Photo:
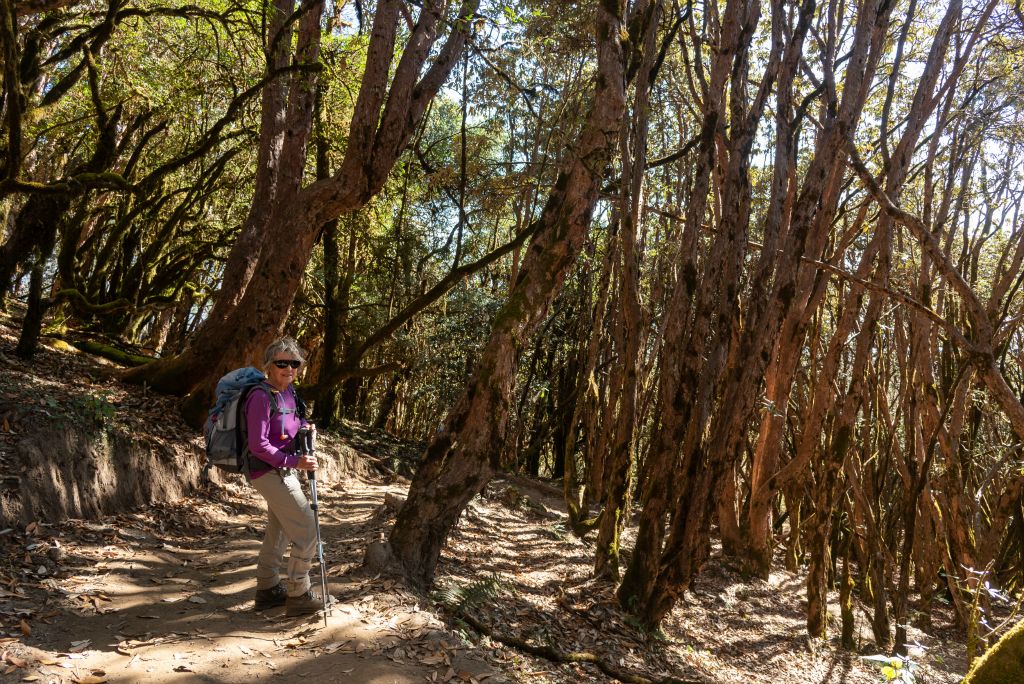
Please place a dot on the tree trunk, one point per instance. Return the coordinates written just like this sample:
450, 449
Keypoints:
387, 403
462, 455
633, 147
703, 399
728, 526
274, 124
679, 377
379, 132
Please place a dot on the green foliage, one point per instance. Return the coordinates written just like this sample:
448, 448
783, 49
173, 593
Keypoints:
900, 669
95, 407
487, 590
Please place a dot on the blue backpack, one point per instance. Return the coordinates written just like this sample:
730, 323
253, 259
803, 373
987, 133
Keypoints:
227, 444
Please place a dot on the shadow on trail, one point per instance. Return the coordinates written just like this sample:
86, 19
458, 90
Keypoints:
166, 600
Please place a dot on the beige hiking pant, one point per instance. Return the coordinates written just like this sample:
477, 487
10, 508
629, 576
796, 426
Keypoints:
289, 521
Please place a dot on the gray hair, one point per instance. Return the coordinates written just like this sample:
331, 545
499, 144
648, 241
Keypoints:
283, 345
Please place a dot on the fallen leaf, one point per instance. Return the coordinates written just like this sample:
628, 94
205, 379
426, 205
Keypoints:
26, 629
331, 648
14, 660
433, 659
79, 646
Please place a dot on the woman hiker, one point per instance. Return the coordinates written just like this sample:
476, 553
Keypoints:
272, 421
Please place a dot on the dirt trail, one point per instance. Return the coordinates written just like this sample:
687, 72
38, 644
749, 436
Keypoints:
165, 595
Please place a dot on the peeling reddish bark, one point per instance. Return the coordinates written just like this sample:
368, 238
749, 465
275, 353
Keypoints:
384, 120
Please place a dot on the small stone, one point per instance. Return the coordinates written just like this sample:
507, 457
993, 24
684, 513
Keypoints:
393, 502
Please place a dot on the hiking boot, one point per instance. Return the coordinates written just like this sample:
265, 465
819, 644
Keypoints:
271, 598
303, 604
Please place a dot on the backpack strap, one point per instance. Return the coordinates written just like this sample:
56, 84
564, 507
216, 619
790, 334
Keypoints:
275, 410
242, 429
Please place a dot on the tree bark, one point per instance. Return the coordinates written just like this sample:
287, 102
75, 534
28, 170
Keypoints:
245, 252
382, 125
697, 395
633, 150
463, 454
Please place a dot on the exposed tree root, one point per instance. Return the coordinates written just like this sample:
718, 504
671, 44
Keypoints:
111, 353
557, 656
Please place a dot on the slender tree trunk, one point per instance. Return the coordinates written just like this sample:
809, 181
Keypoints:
634, 161
728, 527
708, 399
462, 455
388, 402
678, 376
587, 409
846, 596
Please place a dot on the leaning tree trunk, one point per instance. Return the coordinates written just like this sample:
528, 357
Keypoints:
382, 125
462, 455
287, 121
576, 488
695, 352
678, 377
274, 122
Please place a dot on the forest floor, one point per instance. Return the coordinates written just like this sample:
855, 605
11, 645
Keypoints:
164, 593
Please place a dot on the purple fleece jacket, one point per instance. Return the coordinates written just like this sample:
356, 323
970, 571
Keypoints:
267, 434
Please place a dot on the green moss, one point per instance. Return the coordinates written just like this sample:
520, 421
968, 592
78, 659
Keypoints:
1003, 663
112, 353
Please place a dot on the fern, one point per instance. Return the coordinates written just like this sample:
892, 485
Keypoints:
458, 598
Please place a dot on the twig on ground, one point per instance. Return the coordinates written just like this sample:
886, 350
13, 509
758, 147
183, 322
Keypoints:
555, 655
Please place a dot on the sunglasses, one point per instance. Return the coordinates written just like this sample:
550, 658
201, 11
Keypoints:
285, 363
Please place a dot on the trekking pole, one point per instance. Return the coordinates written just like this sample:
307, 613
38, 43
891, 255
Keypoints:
306, 446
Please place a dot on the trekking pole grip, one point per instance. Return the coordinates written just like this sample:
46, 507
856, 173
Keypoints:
307, 447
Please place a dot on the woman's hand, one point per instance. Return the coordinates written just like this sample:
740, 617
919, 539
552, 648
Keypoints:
306, 462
